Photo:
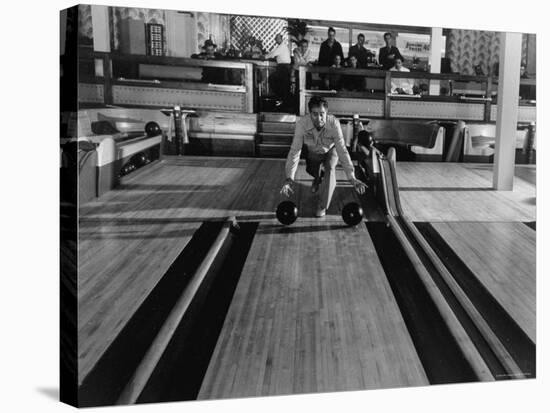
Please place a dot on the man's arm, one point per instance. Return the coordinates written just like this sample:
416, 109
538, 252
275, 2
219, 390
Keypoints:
272, 54
407, 85
398, 54
321, 58
394, 86
351, 51
341, 51
382, 55
395, 82
293, 157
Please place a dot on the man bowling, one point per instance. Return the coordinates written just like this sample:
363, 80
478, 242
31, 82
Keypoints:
320, 135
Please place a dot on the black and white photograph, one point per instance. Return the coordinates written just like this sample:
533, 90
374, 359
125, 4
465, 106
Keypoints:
270, 203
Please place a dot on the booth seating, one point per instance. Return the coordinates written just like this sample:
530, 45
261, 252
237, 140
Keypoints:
479, 142
454, 140
423, 139
431, 154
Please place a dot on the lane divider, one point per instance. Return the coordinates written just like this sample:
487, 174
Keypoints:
417, 247
139, 379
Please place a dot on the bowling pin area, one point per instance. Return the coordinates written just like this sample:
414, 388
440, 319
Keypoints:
190, 288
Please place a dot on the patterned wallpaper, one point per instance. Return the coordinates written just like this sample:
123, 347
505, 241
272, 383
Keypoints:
85, 29
468, 48
147, 15
116, 14
465, 48
212, 26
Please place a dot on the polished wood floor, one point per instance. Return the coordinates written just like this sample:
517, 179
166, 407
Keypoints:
503, 257
463, 192
483, 226
303, 319
130, 236
286, 328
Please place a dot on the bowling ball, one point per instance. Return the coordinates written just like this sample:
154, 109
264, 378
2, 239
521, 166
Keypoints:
287, 212
139, 159
152, 129
352, 213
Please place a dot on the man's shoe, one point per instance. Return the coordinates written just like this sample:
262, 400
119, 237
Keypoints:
321, 212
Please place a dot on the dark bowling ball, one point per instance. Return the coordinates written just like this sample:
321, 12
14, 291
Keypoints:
352, 213
287, 212
139, 159
143, 158
124, 170
152, 129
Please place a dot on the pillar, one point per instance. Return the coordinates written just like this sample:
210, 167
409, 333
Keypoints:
507, 111
436, 45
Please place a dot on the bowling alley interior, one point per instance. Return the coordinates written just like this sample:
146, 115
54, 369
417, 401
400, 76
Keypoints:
270, 205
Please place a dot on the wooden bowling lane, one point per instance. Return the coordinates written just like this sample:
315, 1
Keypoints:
131, 235
431, 191
503, 258
313, 311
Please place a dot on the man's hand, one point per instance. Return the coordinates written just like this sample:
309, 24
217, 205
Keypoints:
287, 190
359, 186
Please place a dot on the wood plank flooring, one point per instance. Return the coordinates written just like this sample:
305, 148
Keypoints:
503, 257
131, 235
463, 192
313, 311
285, 319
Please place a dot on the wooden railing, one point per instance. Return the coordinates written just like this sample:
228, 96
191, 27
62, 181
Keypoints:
477, 105
240, 95
104, 85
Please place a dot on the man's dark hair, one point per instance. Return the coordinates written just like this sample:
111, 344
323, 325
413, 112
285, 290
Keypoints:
387, 34
317, 101
331, 29
361, 35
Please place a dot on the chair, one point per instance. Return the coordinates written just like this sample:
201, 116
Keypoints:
479, 143
480, 140
435, 153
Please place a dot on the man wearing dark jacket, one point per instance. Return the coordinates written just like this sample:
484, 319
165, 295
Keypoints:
388, 53
329, 49
363, 56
